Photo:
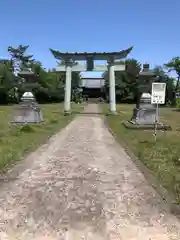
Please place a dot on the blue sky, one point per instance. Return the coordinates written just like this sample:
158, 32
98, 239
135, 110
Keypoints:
152, 27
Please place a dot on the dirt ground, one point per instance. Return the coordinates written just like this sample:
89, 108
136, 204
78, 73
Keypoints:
82, 185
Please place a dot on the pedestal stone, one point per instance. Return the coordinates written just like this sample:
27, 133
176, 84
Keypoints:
145, 117
146, 114
28, 110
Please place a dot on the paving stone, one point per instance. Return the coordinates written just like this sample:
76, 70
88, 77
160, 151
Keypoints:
82, 185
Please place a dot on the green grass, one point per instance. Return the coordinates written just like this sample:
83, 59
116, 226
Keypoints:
161, 157
16, 141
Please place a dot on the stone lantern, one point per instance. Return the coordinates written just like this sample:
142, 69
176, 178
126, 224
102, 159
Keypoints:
28, 75
28, 110
145, 114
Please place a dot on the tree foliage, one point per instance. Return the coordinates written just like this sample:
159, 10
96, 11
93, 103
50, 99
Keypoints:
163, 77
128, 84
125, 81
19, 58
47, 85
174, 66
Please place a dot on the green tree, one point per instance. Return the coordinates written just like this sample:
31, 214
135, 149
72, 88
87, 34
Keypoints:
19, 58
174, 65
75, 80
133, 68
126, 81
163, 77
7, 80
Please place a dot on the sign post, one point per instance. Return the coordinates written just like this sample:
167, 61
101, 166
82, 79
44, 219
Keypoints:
157, 97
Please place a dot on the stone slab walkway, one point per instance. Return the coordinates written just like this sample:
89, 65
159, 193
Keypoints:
82, 185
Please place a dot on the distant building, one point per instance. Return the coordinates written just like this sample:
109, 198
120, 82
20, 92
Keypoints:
92, 86
91, 82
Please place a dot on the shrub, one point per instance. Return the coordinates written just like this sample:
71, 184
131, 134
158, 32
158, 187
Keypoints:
178, 102
27, 128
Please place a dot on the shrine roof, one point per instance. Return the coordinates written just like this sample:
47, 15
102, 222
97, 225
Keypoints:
80, 56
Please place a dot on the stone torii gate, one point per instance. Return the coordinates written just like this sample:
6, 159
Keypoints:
69, 64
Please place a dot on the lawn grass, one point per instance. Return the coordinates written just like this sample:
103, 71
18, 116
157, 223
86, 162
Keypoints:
16, 141
161, 157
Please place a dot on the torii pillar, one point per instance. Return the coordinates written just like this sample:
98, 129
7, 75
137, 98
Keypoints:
67, 96
112, 88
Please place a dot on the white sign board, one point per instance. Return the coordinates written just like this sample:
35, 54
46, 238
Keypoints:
158, 93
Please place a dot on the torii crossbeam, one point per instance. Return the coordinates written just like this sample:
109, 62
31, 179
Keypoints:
69, 64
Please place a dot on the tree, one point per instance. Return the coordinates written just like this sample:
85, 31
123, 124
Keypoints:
7, 80
163, 77
133, 68
125, 81
18, 57
174, 65
75, 80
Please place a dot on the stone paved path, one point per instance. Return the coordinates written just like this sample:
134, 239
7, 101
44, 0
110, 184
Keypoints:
82, 185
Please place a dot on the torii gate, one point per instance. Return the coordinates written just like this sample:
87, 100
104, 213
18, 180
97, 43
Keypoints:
70, 64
